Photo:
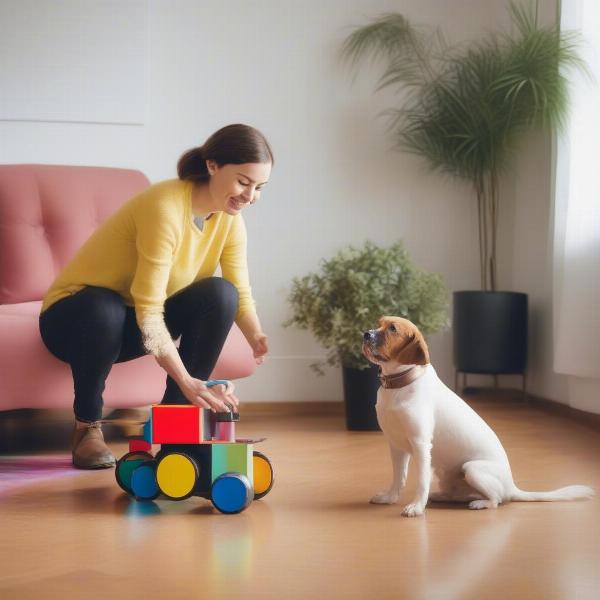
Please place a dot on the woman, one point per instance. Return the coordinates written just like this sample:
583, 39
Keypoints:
145, 277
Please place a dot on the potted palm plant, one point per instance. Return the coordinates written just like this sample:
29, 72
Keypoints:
464, 110
346, 296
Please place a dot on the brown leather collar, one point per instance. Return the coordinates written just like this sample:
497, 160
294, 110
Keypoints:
401, 379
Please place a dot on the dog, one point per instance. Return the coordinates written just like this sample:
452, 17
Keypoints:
423, 419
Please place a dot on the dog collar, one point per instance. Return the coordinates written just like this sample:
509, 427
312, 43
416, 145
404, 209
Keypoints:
401, 379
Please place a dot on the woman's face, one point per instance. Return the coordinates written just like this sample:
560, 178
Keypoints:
233, 187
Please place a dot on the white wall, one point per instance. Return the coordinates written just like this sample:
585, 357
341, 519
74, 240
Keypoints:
273, 64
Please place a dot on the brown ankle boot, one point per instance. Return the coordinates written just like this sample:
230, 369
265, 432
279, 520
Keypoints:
89, 450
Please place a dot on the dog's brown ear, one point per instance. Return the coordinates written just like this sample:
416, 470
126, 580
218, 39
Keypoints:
415, 352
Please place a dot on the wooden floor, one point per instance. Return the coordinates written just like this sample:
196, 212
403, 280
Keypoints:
315, 535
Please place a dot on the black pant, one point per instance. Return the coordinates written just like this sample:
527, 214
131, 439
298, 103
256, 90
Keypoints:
93, 329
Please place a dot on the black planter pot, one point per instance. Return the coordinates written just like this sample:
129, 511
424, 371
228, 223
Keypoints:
490, 332
360, 397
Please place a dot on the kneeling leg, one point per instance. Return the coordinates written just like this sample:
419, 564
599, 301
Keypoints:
482, 476
454, 488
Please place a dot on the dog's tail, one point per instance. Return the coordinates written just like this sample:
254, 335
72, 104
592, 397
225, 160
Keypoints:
571, 492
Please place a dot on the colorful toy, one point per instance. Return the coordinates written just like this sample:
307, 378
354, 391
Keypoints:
199, 456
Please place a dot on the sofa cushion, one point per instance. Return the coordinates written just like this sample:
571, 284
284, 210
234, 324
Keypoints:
46, 213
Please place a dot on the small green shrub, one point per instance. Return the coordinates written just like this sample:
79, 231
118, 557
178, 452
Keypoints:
352, 290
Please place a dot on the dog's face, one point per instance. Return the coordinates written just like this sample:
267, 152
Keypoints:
396, 340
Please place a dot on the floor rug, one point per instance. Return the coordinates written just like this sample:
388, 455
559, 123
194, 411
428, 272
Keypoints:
20, 470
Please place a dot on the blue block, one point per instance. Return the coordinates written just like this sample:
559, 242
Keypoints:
147, 433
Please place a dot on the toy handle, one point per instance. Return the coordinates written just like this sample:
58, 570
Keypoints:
212, 382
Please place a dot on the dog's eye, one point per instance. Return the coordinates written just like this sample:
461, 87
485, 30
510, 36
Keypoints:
392, 328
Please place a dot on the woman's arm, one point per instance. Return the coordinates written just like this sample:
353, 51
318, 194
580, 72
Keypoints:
193, 389
252, 330
234, 265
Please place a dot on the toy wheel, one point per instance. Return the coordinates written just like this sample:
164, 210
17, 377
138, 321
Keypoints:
126, 465
177, 475
263, 475
231, 493
143, 481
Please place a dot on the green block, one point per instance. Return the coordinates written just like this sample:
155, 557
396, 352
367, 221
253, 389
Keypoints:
232, 458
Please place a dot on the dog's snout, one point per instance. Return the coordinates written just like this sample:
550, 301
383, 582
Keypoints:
371, 336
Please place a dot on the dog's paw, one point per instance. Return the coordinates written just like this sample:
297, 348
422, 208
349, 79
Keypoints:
385, 498
416, 509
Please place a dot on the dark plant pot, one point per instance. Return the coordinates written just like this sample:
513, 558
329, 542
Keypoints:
360, 397
490, 332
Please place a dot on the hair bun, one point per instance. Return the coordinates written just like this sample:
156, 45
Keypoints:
231, 145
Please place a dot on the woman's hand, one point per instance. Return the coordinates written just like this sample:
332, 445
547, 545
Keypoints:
259, 347
226, 395
252, 330
197, 393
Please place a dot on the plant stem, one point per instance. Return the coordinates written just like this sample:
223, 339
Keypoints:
494, 226
486, 245
481, 224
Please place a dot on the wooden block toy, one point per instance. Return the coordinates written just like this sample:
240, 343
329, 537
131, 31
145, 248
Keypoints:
199, 456
177, 424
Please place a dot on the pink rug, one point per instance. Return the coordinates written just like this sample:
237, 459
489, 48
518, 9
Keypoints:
20, 470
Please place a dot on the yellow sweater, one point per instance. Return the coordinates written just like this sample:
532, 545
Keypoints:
150, 249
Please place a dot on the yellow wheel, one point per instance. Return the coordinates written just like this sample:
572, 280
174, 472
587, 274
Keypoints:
263, 475
177, 475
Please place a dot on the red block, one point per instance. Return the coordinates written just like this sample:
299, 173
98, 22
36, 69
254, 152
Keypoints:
176, 424
139, 445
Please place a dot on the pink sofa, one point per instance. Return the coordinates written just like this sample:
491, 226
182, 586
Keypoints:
46, 213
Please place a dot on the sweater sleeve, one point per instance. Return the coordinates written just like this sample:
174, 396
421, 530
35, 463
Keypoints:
157, 237
234, 265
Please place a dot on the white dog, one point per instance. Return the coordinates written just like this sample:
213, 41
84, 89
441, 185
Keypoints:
423, 419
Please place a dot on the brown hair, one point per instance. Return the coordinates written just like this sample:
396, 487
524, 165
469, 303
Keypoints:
231, 145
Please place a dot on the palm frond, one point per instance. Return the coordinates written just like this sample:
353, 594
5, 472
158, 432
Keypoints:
466, 107
411, 52
387, 36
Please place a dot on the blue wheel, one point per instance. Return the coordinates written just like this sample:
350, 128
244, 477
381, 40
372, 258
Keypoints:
143, 481
231, 493
125, 467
